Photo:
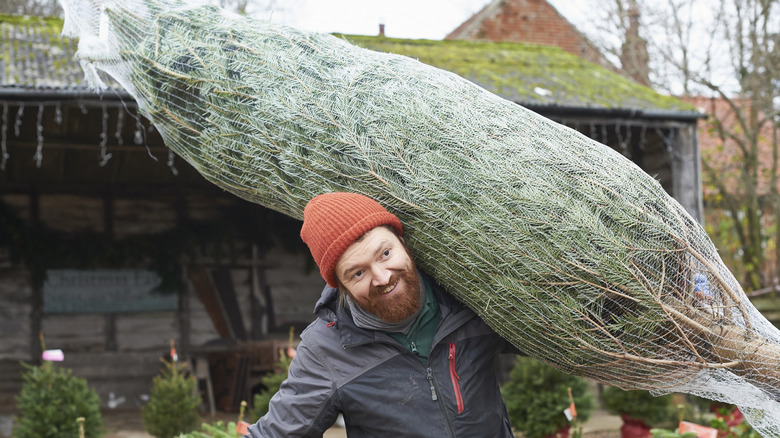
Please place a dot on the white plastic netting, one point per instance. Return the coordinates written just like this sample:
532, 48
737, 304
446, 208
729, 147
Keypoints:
562, 245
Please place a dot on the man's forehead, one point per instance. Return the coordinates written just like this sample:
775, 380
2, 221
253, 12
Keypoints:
372, 241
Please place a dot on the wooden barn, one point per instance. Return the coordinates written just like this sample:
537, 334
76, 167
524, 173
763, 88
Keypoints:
111, 247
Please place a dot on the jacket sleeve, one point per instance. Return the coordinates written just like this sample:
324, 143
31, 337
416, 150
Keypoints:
510, 348
305, 405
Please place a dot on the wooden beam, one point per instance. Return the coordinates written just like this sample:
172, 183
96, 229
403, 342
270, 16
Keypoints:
61, 145
201, 282
139, 190
185, 316
108, 230
223, 284
36, 304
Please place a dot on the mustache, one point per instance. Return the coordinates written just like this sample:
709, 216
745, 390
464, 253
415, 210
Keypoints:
376, 291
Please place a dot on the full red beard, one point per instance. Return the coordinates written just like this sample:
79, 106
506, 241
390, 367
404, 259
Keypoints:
399, 307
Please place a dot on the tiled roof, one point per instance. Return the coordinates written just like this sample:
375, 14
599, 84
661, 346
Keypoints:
35, 57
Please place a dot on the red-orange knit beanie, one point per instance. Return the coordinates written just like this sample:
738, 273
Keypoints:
332, 222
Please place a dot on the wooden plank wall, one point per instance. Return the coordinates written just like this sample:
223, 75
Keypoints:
124, 371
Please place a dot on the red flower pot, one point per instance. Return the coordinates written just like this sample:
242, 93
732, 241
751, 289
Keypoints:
633, 428
733, 418
563, 432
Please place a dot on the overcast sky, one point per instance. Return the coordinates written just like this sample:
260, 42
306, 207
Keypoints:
434, 19
428, 19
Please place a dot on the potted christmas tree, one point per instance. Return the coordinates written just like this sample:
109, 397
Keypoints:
639, 410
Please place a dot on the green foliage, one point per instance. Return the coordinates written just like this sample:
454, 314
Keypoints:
51, 402
271, 382
173, 403
638, 404
741, 430
216, 430
727, 413
537, 394
663, 433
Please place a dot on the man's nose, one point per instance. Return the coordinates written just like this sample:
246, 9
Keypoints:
380, 275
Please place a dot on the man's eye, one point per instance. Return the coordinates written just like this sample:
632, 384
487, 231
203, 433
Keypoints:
386, 252
358, 274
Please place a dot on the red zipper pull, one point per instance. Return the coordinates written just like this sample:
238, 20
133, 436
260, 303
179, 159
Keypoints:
455, 379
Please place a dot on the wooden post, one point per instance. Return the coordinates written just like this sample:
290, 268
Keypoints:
184, 314
108, 229
258, 306
36, 304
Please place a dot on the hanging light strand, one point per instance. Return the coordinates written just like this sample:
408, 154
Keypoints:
3, 137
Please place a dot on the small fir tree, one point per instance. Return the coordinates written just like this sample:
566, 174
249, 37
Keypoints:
537, 394
271, 383
173, 402
220, 429
51, 402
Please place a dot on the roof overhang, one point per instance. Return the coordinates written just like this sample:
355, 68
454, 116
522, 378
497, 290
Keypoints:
616, 113
51, 94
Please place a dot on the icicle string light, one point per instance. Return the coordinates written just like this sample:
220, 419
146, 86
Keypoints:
58, 114
104, 156
4, 137
120, 120
171, 165
38, 157
18, 121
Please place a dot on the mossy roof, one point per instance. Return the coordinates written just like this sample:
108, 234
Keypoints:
34, 55
531, 74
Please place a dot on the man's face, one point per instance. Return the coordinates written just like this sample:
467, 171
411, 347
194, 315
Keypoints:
379, 274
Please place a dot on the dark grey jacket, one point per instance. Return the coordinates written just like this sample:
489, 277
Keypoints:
382, 389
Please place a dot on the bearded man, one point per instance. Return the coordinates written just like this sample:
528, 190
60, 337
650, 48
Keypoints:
390, 349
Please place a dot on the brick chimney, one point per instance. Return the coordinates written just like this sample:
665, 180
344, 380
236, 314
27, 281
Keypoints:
633, 54
381, 29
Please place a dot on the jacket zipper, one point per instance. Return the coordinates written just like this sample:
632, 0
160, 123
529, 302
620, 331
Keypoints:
435, 398
455, 379
430, 381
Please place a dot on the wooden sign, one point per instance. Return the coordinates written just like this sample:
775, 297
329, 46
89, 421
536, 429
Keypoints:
104, 291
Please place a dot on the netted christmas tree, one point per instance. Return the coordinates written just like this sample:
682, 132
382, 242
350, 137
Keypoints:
562, 245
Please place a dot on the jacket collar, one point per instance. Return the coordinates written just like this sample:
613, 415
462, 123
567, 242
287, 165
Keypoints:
453, 315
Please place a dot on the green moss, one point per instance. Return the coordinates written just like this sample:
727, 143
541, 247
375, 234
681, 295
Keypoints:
27, 50
54, 23
517, 70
